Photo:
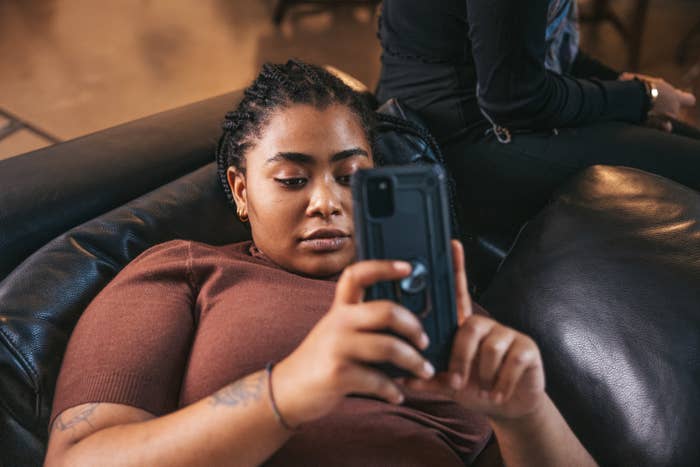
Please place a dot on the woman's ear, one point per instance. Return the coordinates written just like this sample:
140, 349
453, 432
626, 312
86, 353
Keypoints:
236, 181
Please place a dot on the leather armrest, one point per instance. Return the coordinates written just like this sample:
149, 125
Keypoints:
607, 281
48, 191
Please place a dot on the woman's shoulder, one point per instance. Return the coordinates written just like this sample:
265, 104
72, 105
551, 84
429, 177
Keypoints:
185, 252
239, 251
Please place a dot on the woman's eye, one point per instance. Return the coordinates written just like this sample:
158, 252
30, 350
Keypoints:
294, 182
344, 179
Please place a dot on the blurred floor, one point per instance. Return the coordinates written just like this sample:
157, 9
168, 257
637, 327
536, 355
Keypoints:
72, 67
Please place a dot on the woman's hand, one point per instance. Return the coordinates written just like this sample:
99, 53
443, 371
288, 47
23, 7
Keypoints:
670, 100
332, 360
494, 370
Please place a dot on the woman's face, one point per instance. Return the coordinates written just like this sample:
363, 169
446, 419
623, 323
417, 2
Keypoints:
296, 187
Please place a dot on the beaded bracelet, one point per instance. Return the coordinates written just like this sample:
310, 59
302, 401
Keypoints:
275, 409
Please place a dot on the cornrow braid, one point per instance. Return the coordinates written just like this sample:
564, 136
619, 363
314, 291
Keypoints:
279, 86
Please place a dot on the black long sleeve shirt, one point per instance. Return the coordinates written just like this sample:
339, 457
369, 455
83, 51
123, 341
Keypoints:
498, 47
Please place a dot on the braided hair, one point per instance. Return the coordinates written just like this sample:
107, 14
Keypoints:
279, 86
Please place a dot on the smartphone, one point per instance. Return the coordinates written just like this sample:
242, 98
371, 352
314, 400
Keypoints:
402, 213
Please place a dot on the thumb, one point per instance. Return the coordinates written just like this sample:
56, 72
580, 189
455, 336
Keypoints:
659, 122
464, 301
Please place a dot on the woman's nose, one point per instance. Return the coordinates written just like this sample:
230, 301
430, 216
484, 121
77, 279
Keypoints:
325, 200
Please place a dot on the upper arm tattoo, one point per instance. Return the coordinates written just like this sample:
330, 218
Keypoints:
82, 416
241, 392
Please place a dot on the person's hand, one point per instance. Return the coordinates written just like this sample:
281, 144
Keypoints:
669, 103
332, 360
493, 370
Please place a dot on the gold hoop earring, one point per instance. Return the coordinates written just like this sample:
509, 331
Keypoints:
241, 216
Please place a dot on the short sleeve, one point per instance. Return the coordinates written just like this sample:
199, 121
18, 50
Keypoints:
131, 344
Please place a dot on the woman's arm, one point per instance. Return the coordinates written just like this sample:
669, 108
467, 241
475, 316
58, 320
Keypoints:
131, 346
497, 371
539, 439
235, 426
515, 90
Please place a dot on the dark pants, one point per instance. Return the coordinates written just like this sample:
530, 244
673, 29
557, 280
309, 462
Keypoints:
502, 186
519, 177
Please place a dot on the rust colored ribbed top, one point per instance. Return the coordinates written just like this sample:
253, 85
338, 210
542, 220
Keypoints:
185, 319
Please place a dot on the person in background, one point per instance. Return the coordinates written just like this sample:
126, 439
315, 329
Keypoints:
516, 105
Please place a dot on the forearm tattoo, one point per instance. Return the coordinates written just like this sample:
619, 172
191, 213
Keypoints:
241, 392
82, 416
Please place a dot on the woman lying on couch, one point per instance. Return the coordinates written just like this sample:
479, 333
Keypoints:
170, 364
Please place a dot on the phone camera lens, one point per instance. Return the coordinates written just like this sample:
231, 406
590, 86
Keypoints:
380, 197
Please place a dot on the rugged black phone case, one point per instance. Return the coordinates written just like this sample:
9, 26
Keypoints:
418, 231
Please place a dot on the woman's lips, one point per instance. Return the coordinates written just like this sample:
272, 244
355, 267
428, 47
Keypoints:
325, 244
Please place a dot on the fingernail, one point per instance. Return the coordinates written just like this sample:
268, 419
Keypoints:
402, 266
428, 370
455, 381
399, 399
483, 394
497, 397
424, 341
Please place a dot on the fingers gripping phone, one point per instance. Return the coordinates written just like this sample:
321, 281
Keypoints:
402, 213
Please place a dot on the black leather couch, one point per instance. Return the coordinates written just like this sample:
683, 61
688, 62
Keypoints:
606, 278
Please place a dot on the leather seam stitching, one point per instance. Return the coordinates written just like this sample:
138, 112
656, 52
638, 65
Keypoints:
25, 368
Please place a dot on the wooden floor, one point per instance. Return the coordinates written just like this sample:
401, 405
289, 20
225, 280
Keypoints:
72, 67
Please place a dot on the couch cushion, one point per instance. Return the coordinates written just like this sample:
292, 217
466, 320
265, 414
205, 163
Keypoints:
607, 281
43, 298
46, 192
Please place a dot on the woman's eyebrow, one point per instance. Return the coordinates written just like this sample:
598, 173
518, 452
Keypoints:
349, 153
297, 157
301, 158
